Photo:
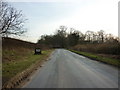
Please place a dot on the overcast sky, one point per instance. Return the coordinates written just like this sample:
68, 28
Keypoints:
45, 16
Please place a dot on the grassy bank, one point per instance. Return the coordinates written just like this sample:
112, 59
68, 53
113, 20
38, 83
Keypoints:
11, 68
114, 62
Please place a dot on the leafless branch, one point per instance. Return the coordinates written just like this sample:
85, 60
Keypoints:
11, 20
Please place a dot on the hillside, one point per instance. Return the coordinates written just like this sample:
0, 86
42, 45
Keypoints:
18, 55
15, 43
15, 48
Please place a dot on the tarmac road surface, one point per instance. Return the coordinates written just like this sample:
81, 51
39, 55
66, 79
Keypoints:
66, 69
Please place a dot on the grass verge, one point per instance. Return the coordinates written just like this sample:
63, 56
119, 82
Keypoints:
114, 62
10, 69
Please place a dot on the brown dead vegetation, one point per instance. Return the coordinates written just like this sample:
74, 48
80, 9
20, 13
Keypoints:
103, 48
14, 49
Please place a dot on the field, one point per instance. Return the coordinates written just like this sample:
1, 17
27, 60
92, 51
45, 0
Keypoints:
19, 55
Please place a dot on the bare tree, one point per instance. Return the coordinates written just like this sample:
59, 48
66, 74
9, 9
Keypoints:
11, 20
101, 34
89, 36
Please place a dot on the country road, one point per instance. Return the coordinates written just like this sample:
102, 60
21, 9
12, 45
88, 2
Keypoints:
69, 70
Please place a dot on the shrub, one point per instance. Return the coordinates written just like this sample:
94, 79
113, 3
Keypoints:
105, 48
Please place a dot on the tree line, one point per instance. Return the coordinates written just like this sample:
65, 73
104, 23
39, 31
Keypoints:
12, 23
63, 39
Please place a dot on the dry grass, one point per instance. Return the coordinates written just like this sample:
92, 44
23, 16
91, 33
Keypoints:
105, 48
14, 49
12, 68
19, 55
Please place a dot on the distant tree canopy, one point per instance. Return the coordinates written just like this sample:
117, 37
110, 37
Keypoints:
64, 39
73, 37
11, 20
56, 40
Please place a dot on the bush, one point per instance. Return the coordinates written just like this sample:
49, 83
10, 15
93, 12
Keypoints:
105, 48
